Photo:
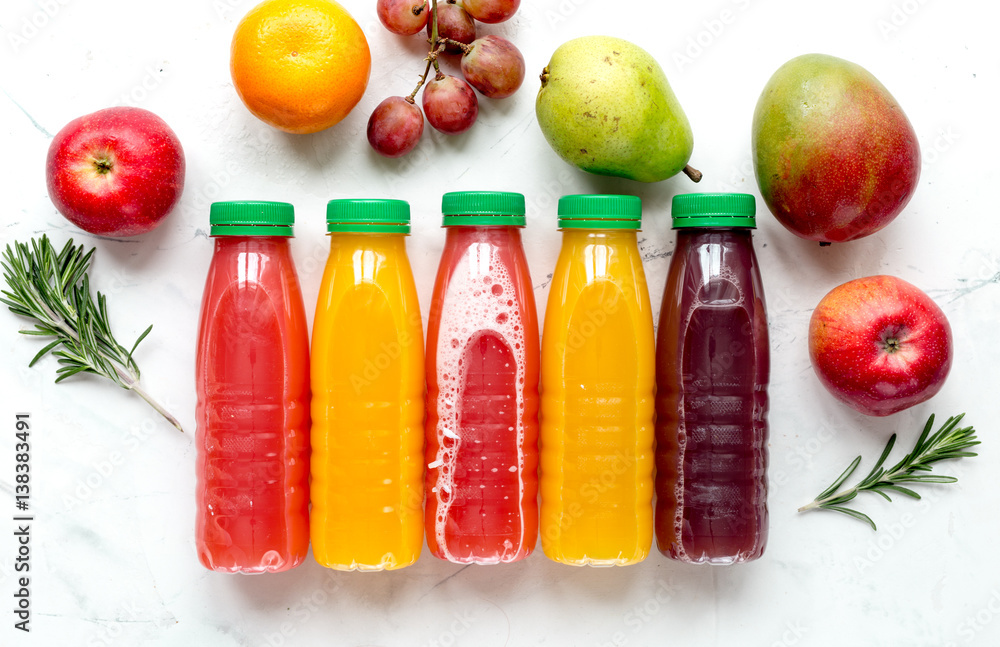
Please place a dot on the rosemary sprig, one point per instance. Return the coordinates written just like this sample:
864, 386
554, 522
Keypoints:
54, 290
947, 443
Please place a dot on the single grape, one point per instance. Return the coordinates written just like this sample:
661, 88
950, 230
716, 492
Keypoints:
454, 22
404, 17
395, 126
491, 10
494, 66
450, 104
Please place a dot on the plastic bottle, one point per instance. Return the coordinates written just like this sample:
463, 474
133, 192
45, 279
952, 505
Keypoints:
368, 393
482, 386
252, 380
596, 438
712, 370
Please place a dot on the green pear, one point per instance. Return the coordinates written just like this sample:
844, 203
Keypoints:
605, 106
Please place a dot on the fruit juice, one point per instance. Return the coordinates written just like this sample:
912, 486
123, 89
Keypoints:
482, 387
596, 438
252, 379
712, 375
368, 390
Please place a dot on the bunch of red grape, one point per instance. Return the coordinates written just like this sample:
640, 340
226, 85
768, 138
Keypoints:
490, 64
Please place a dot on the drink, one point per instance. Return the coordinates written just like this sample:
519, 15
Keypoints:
712, 370
252, 379
597, 389
482, 386
368, 390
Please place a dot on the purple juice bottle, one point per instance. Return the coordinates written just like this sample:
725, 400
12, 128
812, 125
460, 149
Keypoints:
712, 370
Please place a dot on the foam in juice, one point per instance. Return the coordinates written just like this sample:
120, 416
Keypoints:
482, 395
712, 374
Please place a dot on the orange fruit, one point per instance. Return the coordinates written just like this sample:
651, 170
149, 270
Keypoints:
299, 65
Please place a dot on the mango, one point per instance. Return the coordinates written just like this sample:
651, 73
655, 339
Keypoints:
834, 155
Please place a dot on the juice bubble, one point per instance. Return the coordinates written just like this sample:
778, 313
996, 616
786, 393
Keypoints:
471, 309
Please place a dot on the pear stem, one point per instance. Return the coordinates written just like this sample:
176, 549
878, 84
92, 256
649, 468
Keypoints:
692, 173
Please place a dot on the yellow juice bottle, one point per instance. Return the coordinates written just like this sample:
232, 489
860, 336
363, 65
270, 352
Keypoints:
367, 368
597, 382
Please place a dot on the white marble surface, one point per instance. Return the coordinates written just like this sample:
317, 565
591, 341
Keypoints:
112, 552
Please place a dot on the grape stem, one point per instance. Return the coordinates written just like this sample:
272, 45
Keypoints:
431, 58
459, 44
437, 47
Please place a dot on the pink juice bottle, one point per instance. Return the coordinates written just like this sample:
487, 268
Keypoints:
252, 380
482, 386
712, 370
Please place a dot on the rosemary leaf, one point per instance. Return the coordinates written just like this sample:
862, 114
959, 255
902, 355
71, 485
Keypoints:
947, 443
840, 479
861, 516
53, 289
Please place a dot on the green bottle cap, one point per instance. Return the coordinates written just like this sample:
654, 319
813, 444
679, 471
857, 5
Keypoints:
600, 212
714, 210
483, 208
368, 215
251, 218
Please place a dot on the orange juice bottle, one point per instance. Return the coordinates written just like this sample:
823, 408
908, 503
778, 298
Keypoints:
368, 390
596, 434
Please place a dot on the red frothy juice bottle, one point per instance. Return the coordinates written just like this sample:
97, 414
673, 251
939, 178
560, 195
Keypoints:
252, 379
712, 370
482, 386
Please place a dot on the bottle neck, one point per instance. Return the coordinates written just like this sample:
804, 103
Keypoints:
367, 239
262, 244
495, 234
601, 236
735, 232
695, 240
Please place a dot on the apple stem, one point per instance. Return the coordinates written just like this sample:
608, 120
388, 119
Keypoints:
692, 173
103, 165
890, 339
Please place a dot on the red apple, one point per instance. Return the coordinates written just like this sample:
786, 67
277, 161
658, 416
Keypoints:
115, 172
880, 344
